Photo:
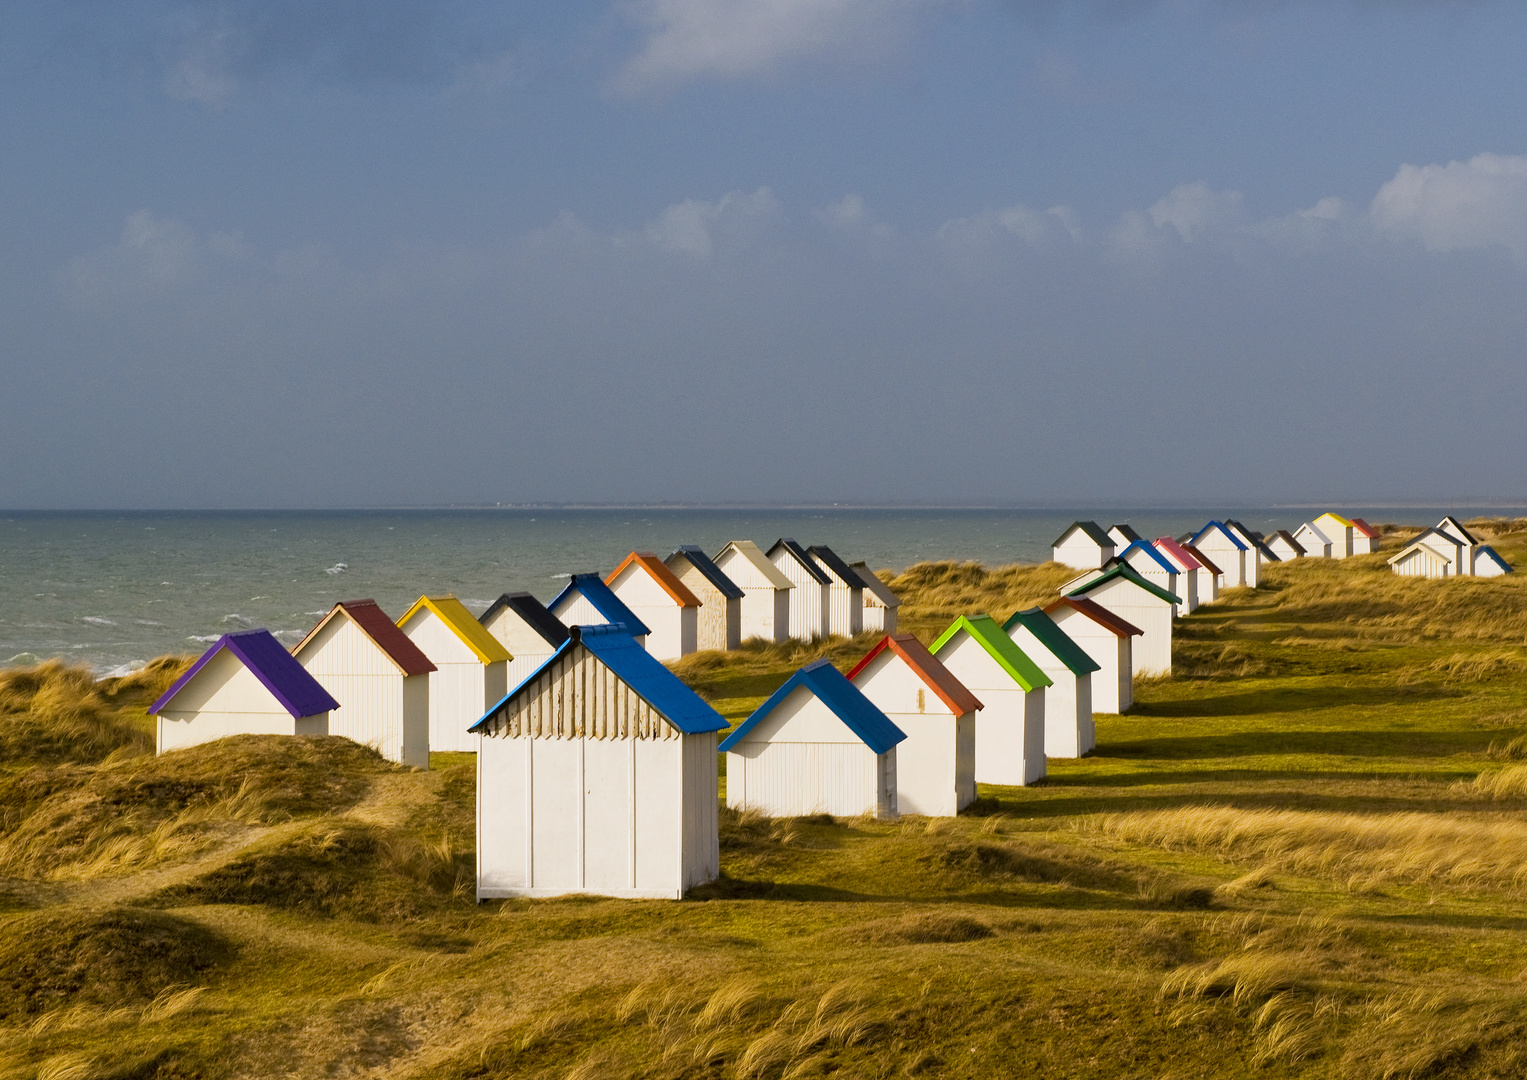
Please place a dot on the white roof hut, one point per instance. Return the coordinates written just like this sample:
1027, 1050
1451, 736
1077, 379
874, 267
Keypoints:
1154, 566
1467, 542
1145, 604
471, 668
1365, 538
765, 591
1084, 546
1010, 728
936, 766
881, 605
587, 601
720, 619
597, 775
1316, 544
816, 746
810, 598
1487, 563
524, 626
378, 676
845, 592
1069, 730
245, 684
1339, 529
1109, 640
661, 601
1285, 546
1227, 550
1432, 554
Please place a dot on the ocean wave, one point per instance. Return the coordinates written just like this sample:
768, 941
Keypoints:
23, 658
238, 620
147, 622
122, 670
205, 639
98, 620
337, 568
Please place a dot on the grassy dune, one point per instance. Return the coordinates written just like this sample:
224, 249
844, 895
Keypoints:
1304, 855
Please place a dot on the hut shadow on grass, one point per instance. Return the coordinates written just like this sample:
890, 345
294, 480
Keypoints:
1355, 743
1289, 700
726, 887
1280, 799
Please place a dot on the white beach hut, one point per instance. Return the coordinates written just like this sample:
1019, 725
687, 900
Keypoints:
245, 684
1432, 553
810, 598
1190, 572
881, 605
1227, 550
765, 591
661, 601
1085, 545
378, 676
1209, 575
1109, 640
1285, 546
597, 775
1339, 530
1122, 535
816, 746
471, 668
845, 592
1154, 566
1316, 544
587, 601
936, 765
1145, 604
720, 619
1365, 538
524, 626
1467, 542
1257, 553
1069, 729
1487, 563
1010, 728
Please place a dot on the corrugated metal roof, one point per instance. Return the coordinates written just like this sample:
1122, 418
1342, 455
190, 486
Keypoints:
1097, 613
532, 612
1184, 558
873, 583
938, 678
638, 669
1218, 526
658, 572
1095, 532
754, 554
1003, 649
383, 632
593, 589
798, 553
1130, 574
1052, 637
454, 614
1209, 564
828, 558
709, 570
1150, 552
288, 681
846, 701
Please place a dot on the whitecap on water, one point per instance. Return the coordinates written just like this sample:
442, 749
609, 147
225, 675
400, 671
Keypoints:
238, 620
23, 658
97, 620
122, 670
205, 639
337, 568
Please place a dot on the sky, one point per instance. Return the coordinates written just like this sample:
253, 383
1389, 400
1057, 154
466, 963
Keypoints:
339, 253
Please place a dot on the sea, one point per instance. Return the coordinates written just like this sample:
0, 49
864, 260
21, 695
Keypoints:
113, 589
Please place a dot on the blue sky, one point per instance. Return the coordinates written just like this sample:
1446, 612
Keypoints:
291, 253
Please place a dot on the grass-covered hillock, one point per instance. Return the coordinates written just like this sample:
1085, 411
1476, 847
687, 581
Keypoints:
1301, 856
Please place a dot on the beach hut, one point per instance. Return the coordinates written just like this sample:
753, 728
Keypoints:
1316, 544
1487, 563
1010, 728
471, 668
1339, 530
1257, 553
881, 605
1069, 730
1285, 546
1085, 546
245, 684
597, 774
1122, 536
936, 765
765, 591
817, 746
1432, 553
523, 625
661, 601
1145, 604
845, 592
1209, 575
1365, 538
1150, 563
1467, 542
587, 601
1109, 640
1190, 571
720, 619
378, 676
1226, 549
809, 599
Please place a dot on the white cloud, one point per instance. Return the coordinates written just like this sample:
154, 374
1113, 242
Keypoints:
695, 227
740, 39
1195, 210
1027, 224
1479, 203
200, 70
153, 255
